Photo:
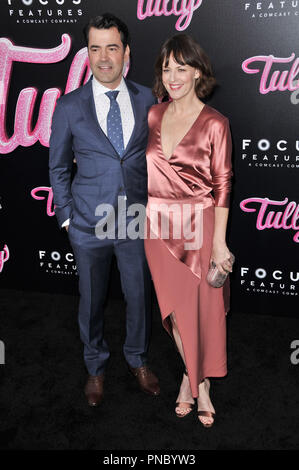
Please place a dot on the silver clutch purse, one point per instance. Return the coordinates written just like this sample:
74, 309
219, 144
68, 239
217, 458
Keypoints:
214, 277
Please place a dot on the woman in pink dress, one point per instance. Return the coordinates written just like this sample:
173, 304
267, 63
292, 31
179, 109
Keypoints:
189, 173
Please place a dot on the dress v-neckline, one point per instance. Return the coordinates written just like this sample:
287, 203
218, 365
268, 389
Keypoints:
184, 136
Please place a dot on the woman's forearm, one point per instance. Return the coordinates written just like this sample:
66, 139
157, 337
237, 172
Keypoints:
221, 216
220, 253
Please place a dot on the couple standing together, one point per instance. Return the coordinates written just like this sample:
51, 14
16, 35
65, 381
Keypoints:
128, 147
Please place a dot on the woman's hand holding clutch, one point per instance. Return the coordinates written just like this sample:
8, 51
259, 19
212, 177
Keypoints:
221, 257
221, 264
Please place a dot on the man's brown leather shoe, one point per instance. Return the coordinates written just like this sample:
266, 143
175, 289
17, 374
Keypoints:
94, 389
147, 380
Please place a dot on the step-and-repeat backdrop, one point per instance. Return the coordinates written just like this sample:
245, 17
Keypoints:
253, 46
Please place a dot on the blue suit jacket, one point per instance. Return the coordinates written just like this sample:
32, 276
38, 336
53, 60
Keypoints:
101, 175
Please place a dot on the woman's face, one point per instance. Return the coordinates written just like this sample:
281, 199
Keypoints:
179, 80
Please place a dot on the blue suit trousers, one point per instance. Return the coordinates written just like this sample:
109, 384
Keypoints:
93, 259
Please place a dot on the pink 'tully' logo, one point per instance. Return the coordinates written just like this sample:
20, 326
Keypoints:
4, 256
147, 8
274, 80
23, 133
285, 220
47, 189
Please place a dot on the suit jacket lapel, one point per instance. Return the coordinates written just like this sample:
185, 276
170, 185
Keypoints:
89, 112
138, 110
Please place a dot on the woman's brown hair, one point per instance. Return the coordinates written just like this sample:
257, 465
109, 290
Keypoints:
185, 51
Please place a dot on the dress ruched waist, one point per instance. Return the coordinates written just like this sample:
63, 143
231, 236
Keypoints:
205, 202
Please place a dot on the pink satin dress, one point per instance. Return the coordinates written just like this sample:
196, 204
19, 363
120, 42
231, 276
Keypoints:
196, 176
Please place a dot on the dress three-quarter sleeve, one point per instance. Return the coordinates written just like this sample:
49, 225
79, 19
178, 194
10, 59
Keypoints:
221, 166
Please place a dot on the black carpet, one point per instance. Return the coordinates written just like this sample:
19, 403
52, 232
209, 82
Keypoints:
42, 405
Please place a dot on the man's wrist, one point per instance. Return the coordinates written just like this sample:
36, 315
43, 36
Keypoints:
66, 223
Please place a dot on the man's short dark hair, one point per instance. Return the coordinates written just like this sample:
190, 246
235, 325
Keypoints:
107, 21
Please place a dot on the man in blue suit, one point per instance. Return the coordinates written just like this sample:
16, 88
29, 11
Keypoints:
103, 125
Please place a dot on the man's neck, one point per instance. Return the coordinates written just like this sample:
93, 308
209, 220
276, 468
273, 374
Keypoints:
105, 85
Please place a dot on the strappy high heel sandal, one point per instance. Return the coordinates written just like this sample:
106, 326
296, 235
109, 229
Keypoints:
205, 409
184, 396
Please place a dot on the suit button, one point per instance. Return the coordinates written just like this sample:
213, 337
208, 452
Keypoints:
121, 162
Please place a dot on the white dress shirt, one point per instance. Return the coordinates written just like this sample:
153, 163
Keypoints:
102, 104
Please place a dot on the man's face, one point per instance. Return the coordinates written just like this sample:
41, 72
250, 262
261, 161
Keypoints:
107, 55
